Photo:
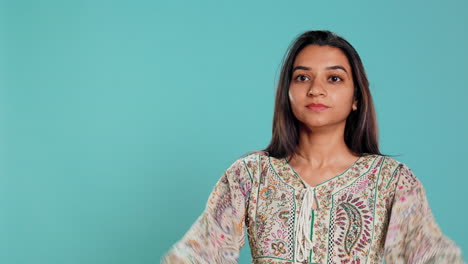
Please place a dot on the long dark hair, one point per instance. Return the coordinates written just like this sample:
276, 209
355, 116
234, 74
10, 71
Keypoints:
361, 131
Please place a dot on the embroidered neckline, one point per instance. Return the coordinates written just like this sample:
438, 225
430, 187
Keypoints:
356, 163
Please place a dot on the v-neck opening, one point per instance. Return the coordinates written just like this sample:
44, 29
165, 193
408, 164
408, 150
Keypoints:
334, 177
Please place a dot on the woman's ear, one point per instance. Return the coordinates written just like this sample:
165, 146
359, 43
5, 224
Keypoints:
355, 105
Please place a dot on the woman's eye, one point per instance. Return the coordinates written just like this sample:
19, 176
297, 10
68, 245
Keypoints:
298, 78
334, 77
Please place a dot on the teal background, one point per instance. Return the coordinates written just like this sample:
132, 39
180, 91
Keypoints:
118, 117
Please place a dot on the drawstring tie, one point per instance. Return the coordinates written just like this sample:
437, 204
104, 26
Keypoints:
302, 239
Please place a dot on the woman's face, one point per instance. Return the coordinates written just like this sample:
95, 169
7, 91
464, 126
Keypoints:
321, 75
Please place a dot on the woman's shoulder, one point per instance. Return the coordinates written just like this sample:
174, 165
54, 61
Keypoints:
254, 157
251, 162
390, 163
399, 172
391, 170
249, 159
399, 165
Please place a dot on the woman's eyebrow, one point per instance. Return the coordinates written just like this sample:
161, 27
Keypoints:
335, 67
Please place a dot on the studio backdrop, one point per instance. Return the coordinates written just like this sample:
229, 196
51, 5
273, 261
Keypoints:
118, 117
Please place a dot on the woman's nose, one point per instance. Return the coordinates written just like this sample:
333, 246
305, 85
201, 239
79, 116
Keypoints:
316, 88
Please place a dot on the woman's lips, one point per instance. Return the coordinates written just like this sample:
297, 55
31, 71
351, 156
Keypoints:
317, 108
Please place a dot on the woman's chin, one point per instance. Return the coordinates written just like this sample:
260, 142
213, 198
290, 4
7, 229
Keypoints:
323, 124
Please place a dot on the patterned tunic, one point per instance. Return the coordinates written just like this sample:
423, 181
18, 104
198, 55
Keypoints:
375, 210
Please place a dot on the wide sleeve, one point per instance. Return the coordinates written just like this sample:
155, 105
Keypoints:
218, 234
413, 235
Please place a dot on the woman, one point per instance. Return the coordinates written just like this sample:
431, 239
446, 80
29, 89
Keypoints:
321, 192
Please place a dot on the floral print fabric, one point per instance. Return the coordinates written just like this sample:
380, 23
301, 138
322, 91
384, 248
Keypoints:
375, 210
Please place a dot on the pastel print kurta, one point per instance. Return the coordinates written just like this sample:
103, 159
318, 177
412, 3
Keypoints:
375, 210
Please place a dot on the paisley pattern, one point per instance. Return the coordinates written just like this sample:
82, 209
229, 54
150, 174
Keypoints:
375, 210
354, 221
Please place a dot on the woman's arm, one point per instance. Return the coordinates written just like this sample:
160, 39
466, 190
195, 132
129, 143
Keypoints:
413, 235
218, 234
